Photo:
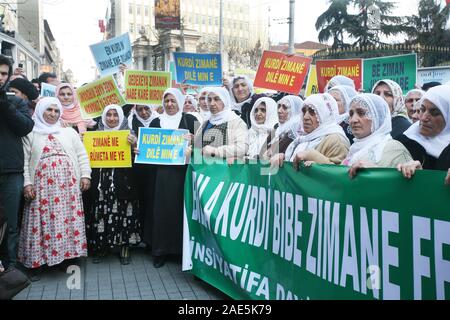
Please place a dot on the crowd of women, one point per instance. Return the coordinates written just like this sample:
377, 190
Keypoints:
71, 211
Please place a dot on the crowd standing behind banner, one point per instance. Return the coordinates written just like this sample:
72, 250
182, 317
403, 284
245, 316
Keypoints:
339, 127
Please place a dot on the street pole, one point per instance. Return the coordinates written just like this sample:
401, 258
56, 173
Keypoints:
221, 28
291, 26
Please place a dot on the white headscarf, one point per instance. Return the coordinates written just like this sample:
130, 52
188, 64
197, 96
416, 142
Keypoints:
195, 113
238, 105
339, 81
40, 125
440, 97
293, 123
399, 100
258, 133
227, 114
372, 146
147, 122
327, 126
204, 114
172, 122
119, 112
347, 94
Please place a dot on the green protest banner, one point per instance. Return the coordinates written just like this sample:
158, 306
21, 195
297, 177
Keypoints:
146, 87
97, 95
317, 234
401, 69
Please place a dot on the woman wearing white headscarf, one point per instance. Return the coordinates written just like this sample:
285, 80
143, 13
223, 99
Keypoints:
428, 140
163, 227
343, 96
203, 104
322, 140
264, 117
191, 107
391, 92
289, 124
373, 145
339, 81
224, 135
56, 171
114, 218
412, 97
142, 116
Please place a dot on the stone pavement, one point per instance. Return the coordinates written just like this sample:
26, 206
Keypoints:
112, 281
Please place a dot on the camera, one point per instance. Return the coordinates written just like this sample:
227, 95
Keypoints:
20, 65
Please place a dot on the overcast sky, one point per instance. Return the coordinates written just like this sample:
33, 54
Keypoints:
75, 26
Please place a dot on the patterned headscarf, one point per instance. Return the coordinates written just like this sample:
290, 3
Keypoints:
399, 100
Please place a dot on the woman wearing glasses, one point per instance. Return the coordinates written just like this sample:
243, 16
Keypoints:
321, 141
412, 97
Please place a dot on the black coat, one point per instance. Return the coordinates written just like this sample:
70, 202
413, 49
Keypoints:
15, 123
399, 126
124, 183
428, 162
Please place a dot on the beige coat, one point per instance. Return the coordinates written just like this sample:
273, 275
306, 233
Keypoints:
33, 146
332, 150
237, 140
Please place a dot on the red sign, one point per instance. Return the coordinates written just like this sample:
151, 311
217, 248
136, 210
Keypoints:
327, 69
280, 72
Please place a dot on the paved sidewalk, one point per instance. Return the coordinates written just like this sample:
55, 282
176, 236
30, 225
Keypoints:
112, 281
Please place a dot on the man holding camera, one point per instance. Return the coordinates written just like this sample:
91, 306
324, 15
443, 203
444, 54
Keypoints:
15, 123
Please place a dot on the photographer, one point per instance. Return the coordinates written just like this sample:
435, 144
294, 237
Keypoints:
15, 123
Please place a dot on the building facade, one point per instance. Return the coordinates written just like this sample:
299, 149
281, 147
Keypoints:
12, 42
245, 25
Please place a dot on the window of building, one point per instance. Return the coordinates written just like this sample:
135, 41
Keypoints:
138, 28
138, 8
131, 8
146, 10
132, 27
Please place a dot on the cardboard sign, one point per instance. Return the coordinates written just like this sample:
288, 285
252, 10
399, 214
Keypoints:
48, 90
280, 72
401, 69
198, 69
96, 96
312, 86
108, 55
435, 74
350, 68
146, 87
162, 146
108, 149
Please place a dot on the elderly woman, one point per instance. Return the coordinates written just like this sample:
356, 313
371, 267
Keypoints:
412, 97
428, 140
373, 146
243, 97
322, 141
391, 92
264, 118
289, 110
163, 228
224, 135
71, 116
203, 104
191, 107
114, 219
343, 95
339, 81
56, 171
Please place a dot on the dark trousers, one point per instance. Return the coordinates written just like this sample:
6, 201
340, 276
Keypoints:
11, 188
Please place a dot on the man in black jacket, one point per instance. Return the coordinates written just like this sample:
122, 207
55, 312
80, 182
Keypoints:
15, 123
